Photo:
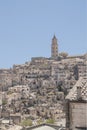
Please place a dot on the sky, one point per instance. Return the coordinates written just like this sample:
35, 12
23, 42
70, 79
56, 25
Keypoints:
28, 26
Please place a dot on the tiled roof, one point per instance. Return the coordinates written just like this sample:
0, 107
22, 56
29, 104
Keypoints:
82, 83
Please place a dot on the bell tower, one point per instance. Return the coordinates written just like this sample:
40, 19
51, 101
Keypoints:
54, 47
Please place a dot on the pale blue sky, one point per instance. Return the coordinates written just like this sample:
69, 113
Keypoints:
27, 28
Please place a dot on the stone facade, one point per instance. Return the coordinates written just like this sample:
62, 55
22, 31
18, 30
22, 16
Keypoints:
76, 117
76, 106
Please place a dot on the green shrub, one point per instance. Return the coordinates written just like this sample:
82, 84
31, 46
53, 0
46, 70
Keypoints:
39, 122
50, 121
9, 92
26, 122
4, 102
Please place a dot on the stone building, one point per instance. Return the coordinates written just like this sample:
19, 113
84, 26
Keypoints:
54, 48
76, 106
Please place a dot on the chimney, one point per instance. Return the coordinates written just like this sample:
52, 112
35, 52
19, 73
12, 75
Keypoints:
79, 96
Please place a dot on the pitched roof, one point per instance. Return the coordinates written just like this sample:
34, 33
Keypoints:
54, 37
82, 83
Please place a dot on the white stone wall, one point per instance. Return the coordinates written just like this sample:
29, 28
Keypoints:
78, 115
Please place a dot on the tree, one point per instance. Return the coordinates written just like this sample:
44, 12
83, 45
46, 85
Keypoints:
63, 54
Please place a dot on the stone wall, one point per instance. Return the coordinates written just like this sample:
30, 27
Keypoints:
77, 115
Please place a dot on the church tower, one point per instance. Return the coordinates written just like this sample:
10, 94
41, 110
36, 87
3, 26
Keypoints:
54, 48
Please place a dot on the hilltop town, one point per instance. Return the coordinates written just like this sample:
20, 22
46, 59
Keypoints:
34, 93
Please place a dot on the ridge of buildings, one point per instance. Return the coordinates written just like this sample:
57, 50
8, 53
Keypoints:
38, 89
